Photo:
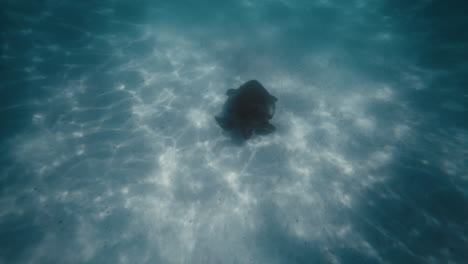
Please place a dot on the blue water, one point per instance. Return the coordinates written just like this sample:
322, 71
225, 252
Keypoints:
110, 152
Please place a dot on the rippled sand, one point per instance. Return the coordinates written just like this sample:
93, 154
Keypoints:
110, 152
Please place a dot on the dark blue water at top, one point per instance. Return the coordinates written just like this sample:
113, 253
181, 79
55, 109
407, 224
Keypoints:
110, 152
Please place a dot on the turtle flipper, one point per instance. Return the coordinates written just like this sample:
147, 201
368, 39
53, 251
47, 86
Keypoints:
221, 122
265, 129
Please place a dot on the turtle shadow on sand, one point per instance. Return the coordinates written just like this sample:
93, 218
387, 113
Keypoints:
247, 112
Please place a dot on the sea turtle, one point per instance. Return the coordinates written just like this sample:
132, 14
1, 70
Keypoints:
248, 110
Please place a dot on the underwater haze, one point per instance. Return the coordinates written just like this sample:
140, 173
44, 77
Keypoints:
110, 152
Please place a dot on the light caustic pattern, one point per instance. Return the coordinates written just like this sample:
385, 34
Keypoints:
120, 160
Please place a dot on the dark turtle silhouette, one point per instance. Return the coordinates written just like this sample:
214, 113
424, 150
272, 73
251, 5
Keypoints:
248, 110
